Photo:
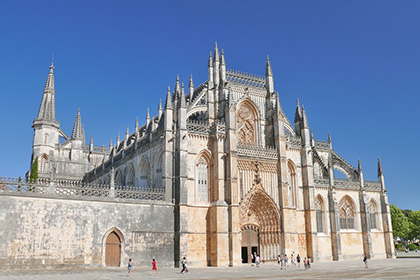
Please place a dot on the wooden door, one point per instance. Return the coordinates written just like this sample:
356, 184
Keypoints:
113, 250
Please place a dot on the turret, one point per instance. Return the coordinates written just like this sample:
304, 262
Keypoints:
211, 71
46, 127
168, 101
269, 76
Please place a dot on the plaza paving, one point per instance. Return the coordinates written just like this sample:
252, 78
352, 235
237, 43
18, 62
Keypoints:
407, 268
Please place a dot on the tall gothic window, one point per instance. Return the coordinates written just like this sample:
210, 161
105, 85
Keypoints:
372, 214
43, 164
291, 181
346, 214
144, 173
130, 175
246, 125
118, 178
319, 208
202, 179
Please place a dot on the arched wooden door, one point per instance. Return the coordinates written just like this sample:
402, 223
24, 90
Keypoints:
112, 250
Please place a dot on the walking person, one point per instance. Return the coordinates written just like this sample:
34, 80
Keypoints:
305, 263
298, 260
184, 264
292, 260
154, 267
278, 259
365, 260
257, 260
286, 261
309, 262
130, 266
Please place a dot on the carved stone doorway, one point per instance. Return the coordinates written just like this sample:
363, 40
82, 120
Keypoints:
113, 250
260, 211
250, 243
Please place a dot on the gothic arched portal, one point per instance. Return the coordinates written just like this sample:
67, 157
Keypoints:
259, 212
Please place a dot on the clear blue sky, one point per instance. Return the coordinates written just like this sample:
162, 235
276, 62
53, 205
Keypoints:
355, 65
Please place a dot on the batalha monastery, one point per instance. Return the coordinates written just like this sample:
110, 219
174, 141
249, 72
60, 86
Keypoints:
218, 174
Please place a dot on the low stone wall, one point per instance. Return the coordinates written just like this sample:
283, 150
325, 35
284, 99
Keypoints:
39, 231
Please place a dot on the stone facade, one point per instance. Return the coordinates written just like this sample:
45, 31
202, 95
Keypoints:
236, 177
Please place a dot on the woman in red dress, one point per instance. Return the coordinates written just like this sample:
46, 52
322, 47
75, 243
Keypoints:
154, 266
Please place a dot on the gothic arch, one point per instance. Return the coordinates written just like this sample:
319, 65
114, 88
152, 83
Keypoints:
119, 178
158, 171
131, 175
258, 210
320, 213
347, 213
373, 214
112, 231
44, 163
247, 118
203, 189
144, 168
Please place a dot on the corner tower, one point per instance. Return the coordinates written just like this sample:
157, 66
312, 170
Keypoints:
46, 128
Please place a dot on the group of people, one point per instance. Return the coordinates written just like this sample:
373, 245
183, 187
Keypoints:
130, 266
154, 266
283, 261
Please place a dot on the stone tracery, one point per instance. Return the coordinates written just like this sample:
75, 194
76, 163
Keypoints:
246, 125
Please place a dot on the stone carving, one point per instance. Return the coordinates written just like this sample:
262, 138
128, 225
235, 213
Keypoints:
246, 125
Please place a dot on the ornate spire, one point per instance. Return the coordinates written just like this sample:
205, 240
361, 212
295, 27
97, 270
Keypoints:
298, 112
91, 144
177, 88
210, 60
182, 97
268, 70
216, 52
380, 171
77, 128
304, 118
191, 87
160, 108
47, 108
222, 60
168, 102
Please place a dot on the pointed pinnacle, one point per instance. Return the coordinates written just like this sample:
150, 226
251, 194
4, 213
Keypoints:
160, 105
268, 70
359, 166
168, 102
177, 88
191, 81
210, 60
304, 118
329, 137
216, 52
312, 134
110, 143
147, 114
222, 62
127, 132
137, 124
91, 140
380, 171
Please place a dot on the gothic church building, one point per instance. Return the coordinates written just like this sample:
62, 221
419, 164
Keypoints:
235, 175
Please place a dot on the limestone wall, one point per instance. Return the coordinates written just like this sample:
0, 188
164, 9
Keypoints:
40, 231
